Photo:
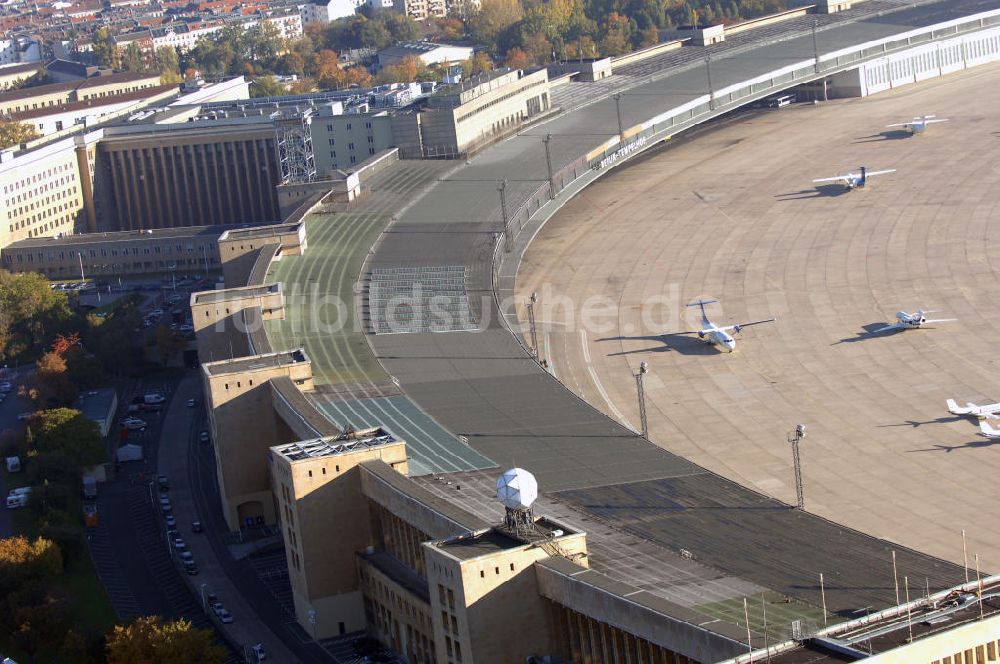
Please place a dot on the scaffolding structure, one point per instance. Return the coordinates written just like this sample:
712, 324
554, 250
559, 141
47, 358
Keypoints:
295, 149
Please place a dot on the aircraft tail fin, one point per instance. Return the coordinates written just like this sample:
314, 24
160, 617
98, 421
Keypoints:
704, 316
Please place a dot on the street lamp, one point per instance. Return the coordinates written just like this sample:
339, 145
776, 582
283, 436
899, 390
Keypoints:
531, 323
643, 370
548, 163
502, 188
204, 597
795, 438
621, 127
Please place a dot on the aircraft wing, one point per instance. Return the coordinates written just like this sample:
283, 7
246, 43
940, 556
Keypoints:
839, 178
741, 325
955, 409
937, 120
939, 320
888, 170
987, 430
903, 124
893, 326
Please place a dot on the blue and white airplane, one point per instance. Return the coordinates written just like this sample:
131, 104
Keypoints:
918, 125
719, 336
856, 180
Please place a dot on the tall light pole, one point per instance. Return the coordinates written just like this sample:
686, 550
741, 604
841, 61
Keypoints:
708, 73
531, 324
503, 213
548, 164
815, 45
621, 127
204, 598
643, 370
795, 438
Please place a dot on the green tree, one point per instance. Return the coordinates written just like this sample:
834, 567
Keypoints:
15, 133
168, 64
267, 86
67, 431
132, 58
22, 559
147, 640
493, 17
31, 314
104, 47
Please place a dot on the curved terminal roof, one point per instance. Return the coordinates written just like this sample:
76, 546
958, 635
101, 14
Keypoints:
730, 541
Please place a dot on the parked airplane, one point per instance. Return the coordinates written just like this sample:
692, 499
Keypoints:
989, 410
856, 180
905, 321
918, 125
719, 336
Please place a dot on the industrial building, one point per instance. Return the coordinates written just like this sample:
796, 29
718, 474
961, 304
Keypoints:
192, 174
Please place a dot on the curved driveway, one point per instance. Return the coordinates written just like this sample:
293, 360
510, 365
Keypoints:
732, 215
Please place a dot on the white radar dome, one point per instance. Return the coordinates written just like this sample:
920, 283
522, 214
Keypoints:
517, 489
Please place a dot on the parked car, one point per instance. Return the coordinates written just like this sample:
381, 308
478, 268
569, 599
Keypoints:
196, 526
190, 567
191, 403
134, 424
24, 416
180, 544
223, 614
186, 555
258, 652
6, 386
203, 437
166, 509
162, 482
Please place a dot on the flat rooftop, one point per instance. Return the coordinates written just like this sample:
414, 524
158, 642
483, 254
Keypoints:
327, 447
241, 293
254, 362
256, 232
202, 232
500, 538
96, 404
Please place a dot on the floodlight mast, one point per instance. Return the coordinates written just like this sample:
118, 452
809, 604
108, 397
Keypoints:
795, 438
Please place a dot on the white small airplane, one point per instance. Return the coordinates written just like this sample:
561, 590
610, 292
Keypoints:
987, 430
856, 180
719, 336
989, 410
905, 321
919, 124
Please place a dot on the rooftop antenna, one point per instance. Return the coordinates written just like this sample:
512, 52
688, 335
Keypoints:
517, 490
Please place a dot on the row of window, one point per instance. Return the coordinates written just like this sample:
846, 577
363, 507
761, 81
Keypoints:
39, 177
